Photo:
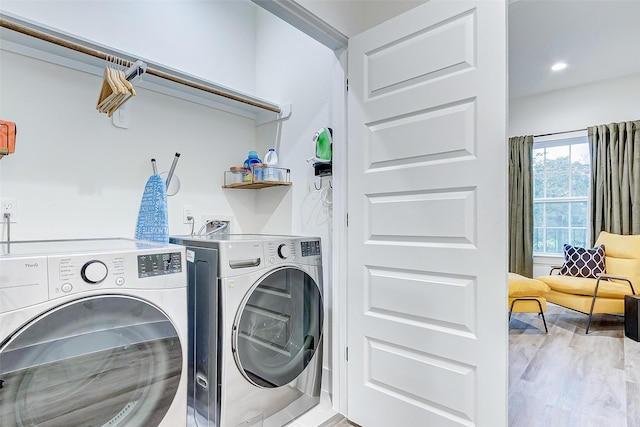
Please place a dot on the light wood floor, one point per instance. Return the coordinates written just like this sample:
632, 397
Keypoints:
568, 379
338, 421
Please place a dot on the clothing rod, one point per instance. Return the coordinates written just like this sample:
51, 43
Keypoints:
101, 55
558, 133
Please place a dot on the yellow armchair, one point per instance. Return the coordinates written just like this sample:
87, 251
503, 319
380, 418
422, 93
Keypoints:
604, 294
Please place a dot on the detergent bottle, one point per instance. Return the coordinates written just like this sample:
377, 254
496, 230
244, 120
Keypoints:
271, 160
252, 160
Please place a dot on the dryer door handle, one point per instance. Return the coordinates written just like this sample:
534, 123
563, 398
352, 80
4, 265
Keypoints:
244, 263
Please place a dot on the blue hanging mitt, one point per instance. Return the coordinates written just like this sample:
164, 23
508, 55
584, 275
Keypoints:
153, 218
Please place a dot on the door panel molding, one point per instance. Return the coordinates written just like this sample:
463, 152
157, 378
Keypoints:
426, 274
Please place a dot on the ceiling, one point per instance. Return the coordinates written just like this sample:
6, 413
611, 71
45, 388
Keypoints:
351, 17
597, 38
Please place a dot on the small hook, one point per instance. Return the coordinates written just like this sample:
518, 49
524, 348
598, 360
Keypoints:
314, 185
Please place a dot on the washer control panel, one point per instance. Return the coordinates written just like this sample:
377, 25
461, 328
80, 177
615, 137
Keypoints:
140, 270
94, 271
156, 264
39, 271
71, 273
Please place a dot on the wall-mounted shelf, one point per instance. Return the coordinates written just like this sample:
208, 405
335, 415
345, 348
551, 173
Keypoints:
266, 177
257, 185
37, 41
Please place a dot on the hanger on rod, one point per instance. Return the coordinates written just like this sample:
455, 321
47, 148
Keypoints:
116, 85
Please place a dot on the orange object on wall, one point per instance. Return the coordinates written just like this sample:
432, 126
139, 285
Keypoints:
7, 137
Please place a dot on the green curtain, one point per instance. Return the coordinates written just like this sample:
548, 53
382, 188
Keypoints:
615, 178
521, 205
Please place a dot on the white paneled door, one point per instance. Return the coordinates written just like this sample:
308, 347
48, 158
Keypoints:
427, 330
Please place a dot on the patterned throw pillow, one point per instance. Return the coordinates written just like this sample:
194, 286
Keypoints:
581, 262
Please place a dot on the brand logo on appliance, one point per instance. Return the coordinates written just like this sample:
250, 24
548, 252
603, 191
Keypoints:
34, 265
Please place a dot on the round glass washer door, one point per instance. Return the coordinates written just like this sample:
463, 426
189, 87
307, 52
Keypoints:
278, 328
98, 361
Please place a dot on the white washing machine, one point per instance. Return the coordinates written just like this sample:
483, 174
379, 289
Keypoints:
93, 333
255, 327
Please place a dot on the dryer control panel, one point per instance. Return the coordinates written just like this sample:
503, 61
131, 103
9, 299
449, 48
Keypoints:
280, 251
311, 248
241, 254
293, 250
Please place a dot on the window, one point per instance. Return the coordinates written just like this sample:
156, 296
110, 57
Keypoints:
561, 171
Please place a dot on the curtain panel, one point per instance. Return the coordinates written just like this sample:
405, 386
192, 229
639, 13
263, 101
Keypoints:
521, 205
615, 178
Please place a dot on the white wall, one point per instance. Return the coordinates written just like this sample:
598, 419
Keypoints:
218, 41
214, 40
297, 69
573, 109
76, 175
576, 108
304, 79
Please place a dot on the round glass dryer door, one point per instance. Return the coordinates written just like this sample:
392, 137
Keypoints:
98, 361
278, 328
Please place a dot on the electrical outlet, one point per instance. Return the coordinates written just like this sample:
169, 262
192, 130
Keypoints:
187, 212
9, 206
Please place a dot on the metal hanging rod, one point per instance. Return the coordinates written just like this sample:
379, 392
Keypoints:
558, 133
161, 74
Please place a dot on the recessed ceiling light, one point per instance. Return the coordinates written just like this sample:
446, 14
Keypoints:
559, 66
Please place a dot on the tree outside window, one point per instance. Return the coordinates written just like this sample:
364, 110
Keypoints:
561, 170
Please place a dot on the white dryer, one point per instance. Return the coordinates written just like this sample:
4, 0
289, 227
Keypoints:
256, 317
93, 332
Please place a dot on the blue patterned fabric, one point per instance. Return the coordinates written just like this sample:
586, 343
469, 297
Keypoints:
153, 218
581, 262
